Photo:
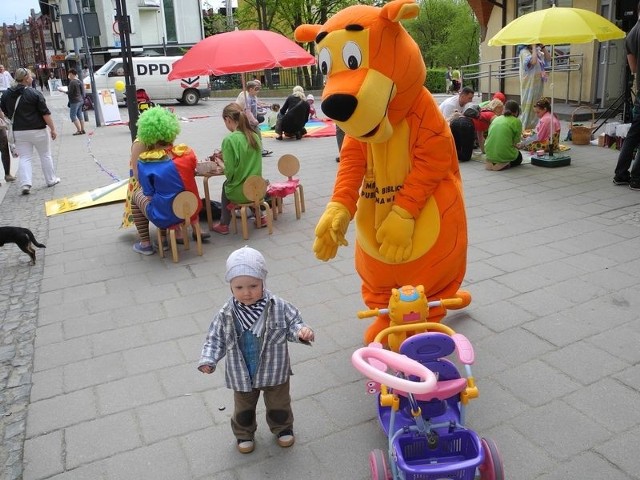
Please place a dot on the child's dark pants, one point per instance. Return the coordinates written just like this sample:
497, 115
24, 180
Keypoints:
279, 415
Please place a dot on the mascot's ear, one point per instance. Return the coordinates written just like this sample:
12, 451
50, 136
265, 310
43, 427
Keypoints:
400, 10
306, 33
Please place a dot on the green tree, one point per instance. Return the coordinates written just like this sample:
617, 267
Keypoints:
213, 22
447, 33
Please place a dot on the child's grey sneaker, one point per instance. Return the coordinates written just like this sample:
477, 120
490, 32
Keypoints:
246, 446
138, 248
286, 438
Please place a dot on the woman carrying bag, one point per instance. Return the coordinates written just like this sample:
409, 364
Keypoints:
28, 110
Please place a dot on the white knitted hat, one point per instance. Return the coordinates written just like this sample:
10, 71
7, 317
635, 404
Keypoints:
246, 261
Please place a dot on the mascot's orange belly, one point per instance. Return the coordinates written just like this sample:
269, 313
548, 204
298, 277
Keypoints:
441, 263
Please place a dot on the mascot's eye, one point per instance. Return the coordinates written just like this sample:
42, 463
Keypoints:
324, 61
352, 55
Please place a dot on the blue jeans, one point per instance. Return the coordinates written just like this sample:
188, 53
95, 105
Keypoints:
628, 147
75, 110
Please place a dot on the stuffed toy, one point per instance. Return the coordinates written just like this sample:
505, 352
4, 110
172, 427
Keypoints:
398, 175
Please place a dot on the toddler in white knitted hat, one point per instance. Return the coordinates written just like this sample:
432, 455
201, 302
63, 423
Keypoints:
252, 329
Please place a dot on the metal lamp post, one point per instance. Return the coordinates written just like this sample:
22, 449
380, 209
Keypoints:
130, 79
85, 43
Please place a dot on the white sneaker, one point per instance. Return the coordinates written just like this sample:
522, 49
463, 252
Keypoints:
55, 182
286, 439
246, 446
26, 190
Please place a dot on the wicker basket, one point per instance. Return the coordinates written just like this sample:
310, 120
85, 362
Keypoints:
581, 135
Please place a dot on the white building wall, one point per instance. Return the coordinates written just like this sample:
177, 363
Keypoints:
147, 22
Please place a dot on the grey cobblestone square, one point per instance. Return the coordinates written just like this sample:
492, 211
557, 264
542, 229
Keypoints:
98, 346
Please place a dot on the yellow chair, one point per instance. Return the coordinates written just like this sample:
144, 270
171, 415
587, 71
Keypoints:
184, 206
254, 188
288, 165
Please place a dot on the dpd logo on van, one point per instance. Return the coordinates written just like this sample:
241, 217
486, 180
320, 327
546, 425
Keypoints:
152, 69
190, 82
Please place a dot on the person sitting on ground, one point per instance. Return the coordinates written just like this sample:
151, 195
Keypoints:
164, 171
463, 131
291, 100
487, 114
539, 138
242, 159
502, 139
496, 96
456, 103
272, 115
293, 121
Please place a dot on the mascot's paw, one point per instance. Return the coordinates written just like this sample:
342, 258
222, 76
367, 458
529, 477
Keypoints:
394, 235
330, 231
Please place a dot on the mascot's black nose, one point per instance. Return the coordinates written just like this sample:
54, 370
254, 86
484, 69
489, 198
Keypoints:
339, 106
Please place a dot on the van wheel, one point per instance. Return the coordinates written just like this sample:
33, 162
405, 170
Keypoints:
191, 97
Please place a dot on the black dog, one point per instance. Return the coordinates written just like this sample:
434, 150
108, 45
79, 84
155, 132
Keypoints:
21, 237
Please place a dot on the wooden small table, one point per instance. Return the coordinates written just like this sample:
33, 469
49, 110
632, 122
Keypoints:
207, 196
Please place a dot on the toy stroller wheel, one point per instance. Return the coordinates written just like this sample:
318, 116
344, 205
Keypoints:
491, 468
378, 464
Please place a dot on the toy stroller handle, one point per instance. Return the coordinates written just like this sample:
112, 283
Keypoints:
415, 327
398, 362
446, 303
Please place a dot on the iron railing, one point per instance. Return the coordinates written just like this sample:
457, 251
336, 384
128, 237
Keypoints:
495, 70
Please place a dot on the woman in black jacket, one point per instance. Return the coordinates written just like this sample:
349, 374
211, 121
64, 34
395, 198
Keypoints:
28, 110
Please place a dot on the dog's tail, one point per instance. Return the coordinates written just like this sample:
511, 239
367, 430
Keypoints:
34, 241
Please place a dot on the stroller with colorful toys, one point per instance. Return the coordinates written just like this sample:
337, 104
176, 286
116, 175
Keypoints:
422, 405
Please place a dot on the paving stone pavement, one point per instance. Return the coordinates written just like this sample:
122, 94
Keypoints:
98, 344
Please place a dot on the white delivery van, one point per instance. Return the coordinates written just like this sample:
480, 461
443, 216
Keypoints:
151, 74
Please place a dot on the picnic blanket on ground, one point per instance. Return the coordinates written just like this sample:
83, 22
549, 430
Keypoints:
315, 129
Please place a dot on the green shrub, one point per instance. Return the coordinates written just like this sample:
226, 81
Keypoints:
436, 82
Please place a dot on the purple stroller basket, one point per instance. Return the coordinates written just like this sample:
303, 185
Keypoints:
455, 457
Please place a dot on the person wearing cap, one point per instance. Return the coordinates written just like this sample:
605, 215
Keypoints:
312, 110
252, 330
496, 96
28, 110
164, 171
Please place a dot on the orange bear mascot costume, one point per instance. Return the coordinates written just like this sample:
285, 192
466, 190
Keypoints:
398, 174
